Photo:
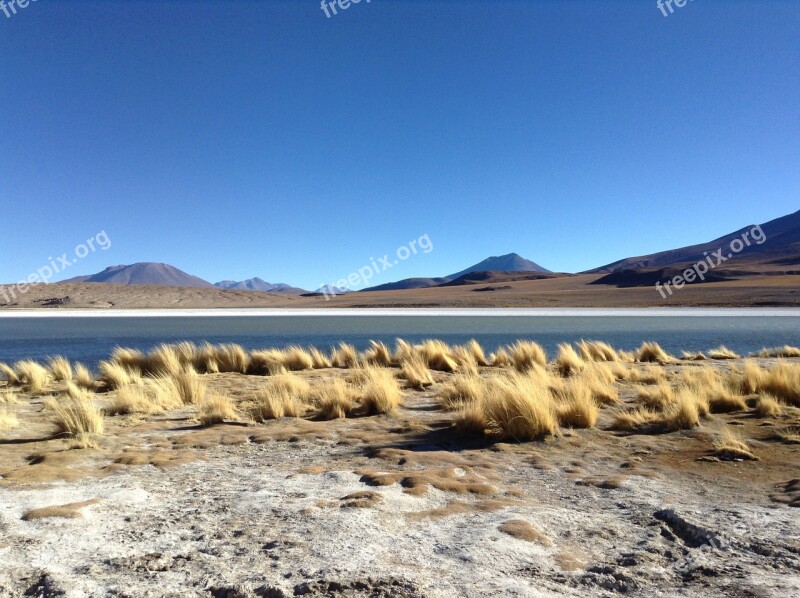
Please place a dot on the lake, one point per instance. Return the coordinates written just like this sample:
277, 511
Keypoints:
90, 336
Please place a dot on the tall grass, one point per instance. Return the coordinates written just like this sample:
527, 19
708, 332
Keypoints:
275, 402
378, 390
60, 368
115, 375
437, 354
83, 377
527, 354
9, 373
8, 419
782, 381
785, 351
216, 408
378, 354
568, 361
597, 351
462, 391
76, 417
652, 353
333, 400
722, 352
416, 373
32, 375
344, 356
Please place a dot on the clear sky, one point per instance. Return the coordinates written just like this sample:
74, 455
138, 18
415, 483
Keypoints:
240, 139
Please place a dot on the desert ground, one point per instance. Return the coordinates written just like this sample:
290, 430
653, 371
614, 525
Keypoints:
768, 290
422, 470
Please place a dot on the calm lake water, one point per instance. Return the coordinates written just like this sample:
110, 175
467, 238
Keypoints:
90, 339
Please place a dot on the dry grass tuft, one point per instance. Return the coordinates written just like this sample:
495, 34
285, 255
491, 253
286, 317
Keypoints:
782, 381
682, 413
729, 446
656, 398
378, 354
437, 354
478, 355
9, 373
231, 358
189, 387
130, 359
134, 399
597, 351
722, 352
8, 419
768, 406
319, 361
652, 353
163, 361
568, 362
516, 407
378, 390
275, 401
60, 368
416, 373
344, 356
789, 435
76, 417
204, 360
575, 405
215, 409
785, 351
501, 358
462, 390
115, 375
8, 398
649, 374
527, 354
687, 356
83, 377
334, 400
292, 385
31, 375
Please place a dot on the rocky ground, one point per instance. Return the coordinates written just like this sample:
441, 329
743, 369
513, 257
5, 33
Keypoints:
394, 505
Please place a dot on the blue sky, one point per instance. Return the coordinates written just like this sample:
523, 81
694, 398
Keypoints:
240, 139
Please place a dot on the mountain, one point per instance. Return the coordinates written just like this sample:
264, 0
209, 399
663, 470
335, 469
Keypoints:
504, 263
774, 243
145, 273
409, 283
492, 267
257, 284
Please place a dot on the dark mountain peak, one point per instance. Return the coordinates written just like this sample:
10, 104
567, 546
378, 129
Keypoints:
259, 284
510, 262
145, 273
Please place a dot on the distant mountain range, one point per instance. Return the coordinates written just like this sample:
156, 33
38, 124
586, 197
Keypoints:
257, 284
510, 262
146, 273
773, 247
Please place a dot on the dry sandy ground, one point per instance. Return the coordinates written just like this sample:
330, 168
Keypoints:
394, 505
568, 291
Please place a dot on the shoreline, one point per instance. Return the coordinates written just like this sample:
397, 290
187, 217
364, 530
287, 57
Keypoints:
410, 312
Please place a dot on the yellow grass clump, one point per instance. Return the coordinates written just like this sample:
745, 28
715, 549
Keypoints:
722, 352
215, 409
275, 401
597, 351
768, 406
656, 398
334, 400
649, 374
568, 361
231, 358
599, 379
204, 360
378, 390
9, 373
652, 353
319, 361
785, 351
477, 353
575, 405
437, 354
188, 386
682, 413
83, 378
518, 408
344, 356
501, 358
8, 419
134, 399
291, 384
130, 359
8, 398
164, 360
416, 373
60, 368
728, 445
527, 354
76, 417
688, 356
782, 381
378, 354
31, 375
115, 375
462, 390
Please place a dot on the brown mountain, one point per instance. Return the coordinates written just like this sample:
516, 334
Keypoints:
145, 273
